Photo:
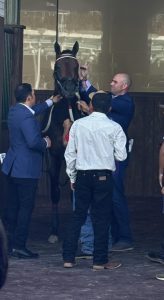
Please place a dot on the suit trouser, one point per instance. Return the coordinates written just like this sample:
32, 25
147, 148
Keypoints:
121, 230
21, 198
93, 190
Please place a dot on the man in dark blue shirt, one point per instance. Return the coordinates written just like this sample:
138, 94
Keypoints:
122, 112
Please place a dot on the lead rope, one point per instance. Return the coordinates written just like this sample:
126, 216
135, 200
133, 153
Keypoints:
70, 108
49, 120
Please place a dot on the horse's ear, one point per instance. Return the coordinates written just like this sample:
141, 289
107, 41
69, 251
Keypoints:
75, 48
57, 48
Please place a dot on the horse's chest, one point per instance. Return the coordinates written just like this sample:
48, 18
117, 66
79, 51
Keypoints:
66, 110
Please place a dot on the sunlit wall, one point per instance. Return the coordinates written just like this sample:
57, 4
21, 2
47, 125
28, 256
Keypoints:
114, 36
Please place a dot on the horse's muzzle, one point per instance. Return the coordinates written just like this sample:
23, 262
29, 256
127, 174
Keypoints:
68, 87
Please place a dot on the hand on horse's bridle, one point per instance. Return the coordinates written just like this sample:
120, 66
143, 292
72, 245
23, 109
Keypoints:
82, 105
56, 98
83, 72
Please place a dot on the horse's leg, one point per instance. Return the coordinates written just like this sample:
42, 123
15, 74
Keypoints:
55, 196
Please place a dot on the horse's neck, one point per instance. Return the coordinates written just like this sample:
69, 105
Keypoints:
56, 89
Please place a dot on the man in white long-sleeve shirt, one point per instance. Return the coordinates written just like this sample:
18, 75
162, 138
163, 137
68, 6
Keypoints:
95, 143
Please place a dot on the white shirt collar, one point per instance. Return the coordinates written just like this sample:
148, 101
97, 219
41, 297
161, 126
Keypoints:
32, 111
97, 114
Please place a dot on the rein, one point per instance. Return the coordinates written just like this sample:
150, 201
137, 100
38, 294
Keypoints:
62, 88
49, 120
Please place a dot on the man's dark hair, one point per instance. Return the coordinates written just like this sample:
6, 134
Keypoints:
22, 91
101, 102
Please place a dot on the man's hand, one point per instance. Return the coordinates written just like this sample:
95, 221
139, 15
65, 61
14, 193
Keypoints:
161, 180
83, 73
56, 98
72, 186
161, 164
162, 191
48, 141
82, 105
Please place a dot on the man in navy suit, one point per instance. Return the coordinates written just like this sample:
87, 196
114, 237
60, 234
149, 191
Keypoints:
22, 165
122, 112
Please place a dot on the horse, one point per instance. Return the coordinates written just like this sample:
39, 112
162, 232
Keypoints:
59, 120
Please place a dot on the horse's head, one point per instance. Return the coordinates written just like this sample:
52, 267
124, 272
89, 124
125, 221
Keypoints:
66, 71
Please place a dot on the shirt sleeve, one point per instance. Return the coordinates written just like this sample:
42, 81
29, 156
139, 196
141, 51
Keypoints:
49, 102
120, 152
71, 155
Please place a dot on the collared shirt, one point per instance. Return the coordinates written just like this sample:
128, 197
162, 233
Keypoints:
88, 85
94, 143
29, 108
49, 102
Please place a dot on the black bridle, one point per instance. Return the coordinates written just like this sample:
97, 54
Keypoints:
66, 71
68, 81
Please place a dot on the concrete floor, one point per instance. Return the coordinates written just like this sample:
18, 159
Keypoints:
46, 278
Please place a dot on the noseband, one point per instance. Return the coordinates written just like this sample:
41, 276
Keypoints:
64, 55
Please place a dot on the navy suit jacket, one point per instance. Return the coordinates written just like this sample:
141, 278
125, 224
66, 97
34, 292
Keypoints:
24, 157
122, 109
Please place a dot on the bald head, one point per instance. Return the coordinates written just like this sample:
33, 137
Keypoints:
120, 84
126, 79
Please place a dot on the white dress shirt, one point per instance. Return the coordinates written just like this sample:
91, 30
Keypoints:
28, 107
95, 142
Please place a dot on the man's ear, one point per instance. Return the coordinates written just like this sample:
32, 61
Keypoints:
125, 86
91, 109
91, 95
28, 99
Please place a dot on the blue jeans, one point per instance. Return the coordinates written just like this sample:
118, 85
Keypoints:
120, 218
87, 237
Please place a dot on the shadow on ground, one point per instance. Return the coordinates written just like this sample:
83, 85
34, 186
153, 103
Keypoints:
46, 278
